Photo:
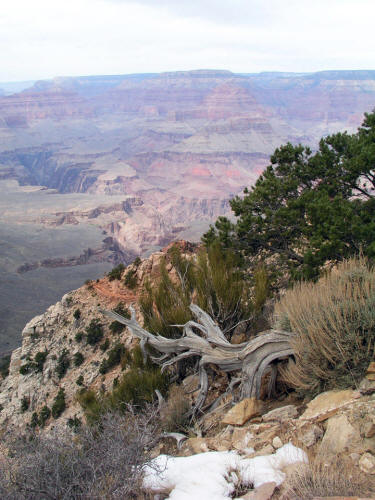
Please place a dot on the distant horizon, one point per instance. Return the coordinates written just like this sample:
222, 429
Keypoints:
213, 70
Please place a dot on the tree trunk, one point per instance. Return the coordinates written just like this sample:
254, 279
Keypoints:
203, 338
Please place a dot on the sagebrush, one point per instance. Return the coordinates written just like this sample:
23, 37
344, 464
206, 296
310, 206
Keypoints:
333, 322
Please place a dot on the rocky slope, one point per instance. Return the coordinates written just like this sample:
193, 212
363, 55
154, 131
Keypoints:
59, 329
335, 425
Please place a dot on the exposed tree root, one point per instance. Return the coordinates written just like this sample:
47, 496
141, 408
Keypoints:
204, 339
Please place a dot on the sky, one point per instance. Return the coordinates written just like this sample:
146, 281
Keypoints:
42, 39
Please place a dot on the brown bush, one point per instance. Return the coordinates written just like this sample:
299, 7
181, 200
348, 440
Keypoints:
334, 325
174, 415
320, 479
101, 462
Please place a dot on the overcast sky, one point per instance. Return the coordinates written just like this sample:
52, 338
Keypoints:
47, 38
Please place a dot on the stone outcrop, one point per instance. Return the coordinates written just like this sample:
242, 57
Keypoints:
243, 411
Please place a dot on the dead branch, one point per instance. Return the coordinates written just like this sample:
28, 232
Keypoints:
204, 339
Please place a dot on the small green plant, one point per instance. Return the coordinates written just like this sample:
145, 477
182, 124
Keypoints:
74, 423
77, 314
26, 368
44, 415
69, 301
34, 336
79, 380
39, 360
115, 326
59, 405
78, 336
34, 420
104, 346
114, 358
130, 279
78, 359
94, 332
25, 403
63, 364
4, 366
116, 272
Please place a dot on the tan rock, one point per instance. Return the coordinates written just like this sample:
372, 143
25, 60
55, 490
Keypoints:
328, 403
308, 437
241, 439
218, 444
243, 411
263, 492
370, 376
339, 436
277, 443
371, 367
367, 463
369, 429
196, 445
281, 414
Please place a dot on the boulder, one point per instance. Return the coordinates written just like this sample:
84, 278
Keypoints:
241, 439
328, 403
277, 443
243, 411
263, 492
367, 463
309, 436
371, 367
369, 428
281, 414
340, 436
196, 445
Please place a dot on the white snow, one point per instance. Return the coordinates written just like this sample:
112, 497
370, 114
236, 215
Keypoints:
214, 475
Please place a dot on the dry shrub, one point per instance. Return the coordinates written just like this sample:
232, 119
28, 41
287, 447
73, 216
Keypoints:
101, 462
174, 415
320, 479
334, 325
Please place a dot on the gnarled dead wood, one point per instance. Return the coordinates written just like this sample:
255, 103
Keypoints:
203, 338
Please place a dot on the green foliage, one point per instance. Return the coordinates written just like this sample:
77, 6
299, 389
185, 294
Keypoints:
130, 279
113, 359
74, 423
115, 326
25, 403
63, 363
77, 314
39, 360
44, 415
333, 322
78, 359
59, 406
104, 346
137, 261
26, 368
34, 420
116, 272
307, 208
137, 386
214, 282
94, 332
4, 365
36, 365
80, 380
79, 336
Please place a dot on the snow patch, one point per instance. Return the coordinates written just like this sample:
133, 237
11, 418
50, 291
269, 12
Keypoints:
215, 474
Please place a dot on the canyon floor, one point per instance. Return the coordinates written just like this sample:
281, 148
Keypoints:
97, 170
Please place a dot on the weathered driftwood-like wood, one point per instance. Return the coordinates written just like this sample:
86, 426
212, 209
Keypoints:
204, 339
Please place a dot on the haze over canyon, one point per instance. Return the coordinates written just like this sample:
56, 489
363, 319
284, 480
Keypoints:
97, 170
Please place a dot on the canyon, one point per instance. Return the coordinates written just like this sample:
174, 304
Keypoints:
98, 170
